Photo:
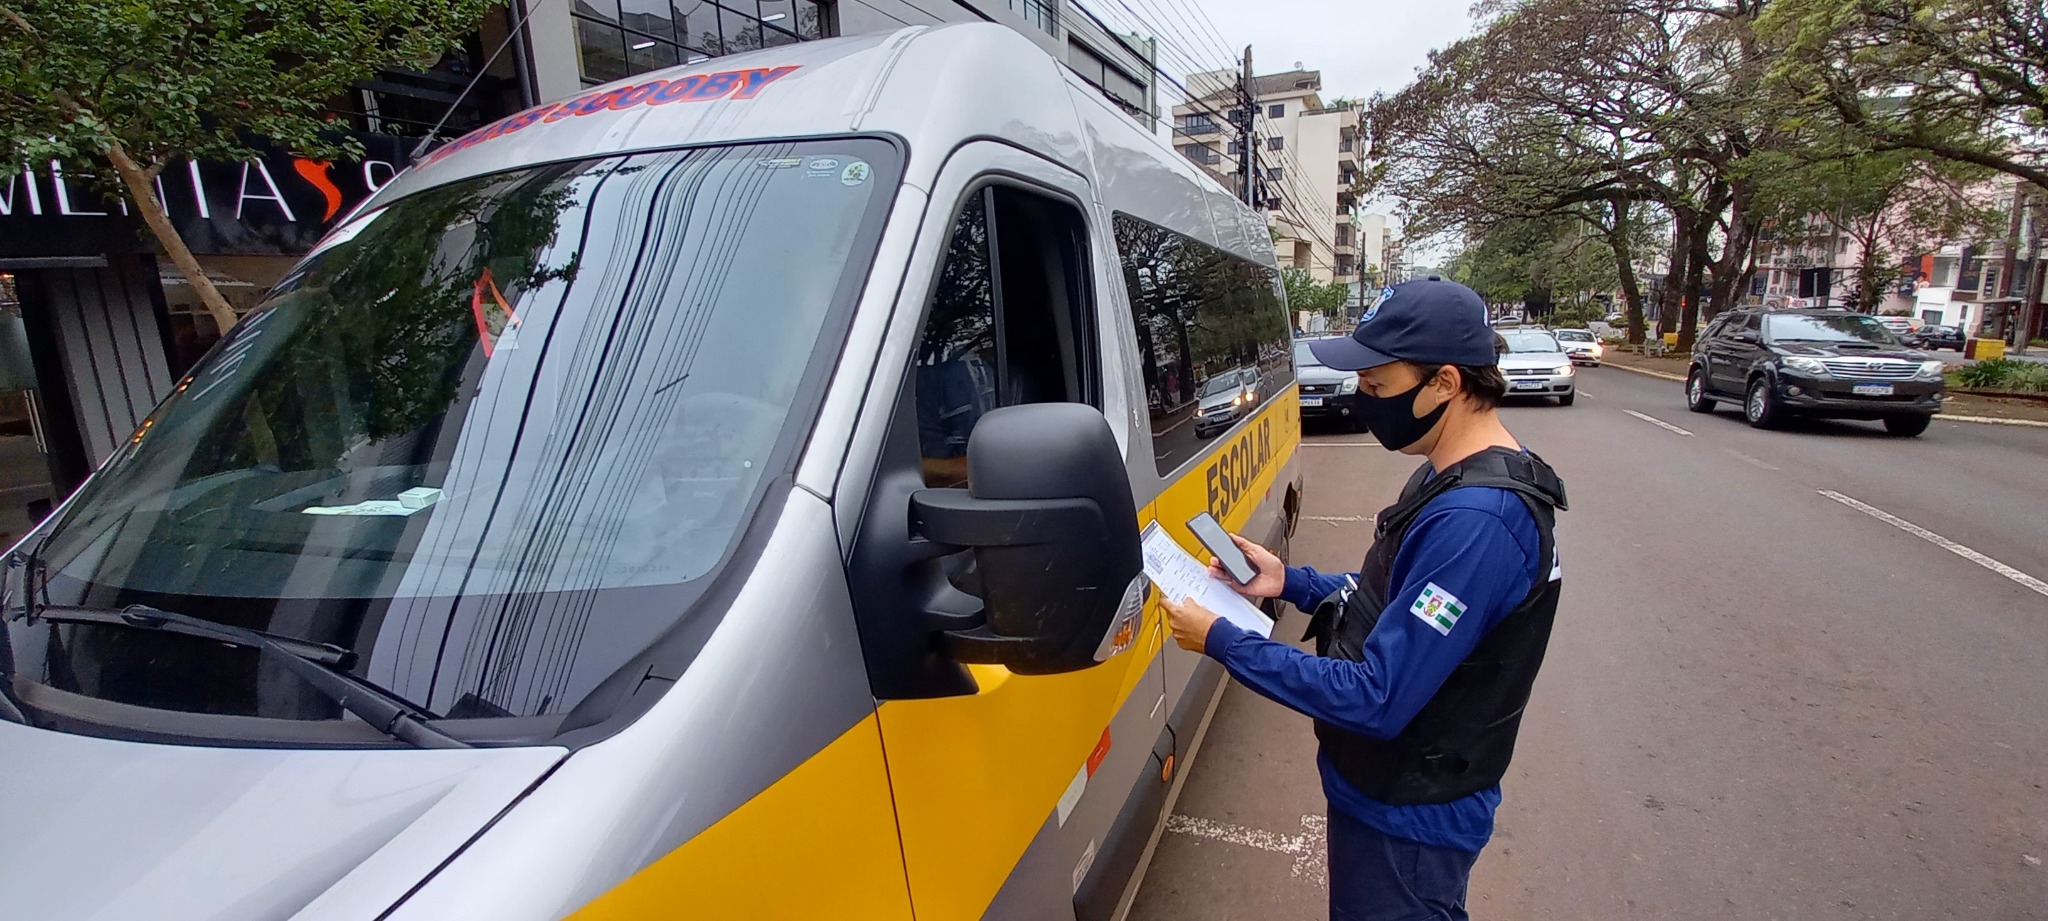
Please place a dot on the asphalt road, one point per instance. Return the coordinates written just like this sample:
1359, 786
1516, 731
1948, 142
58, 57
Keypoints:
1761, 701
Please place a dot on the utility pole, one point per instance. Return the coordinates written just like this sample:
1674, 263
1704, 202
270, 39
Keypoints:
1247, 147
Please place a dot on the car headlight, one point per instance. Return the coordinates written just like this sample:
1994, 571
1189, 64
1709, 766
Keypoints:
1237, 400
1347, 386
1932, 370
1565, 371
1806, 365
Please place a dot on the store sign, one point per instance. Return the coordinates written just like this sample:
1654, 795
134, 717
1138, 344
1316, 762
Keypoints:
278, 204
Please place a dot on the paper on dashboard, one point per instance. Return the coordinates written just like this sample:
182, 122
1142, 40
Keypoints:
1179, 575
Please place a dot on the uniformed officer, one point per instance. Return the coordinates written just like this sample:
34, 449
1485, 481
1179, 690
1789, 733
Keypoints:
1425, 657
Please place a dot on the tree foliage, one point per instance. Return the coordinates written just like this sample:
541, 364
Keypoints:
1305, 293
1962, 80
129, 87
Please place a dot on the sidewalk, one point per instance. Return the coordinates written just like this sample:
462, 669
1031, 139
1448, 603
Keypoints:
1956, 406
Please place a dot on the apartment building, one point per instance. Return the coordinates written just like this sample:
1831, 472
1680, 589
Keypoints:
1307, 156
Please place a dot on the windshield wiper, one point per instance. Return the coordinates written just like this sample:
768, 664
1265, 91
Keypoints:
323, 666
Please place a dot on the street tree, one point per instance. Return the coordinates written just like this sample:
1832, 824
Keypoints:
1305, 293
120, 89
1890, 204
1620, 113
1962, 80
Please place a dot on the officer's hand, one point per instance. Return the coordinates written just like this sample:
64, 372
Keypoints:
1190, 623
1272, 577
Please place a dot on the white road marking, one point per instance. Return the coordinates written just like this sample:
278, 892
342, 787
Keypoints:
1583, 393
1738, 455
1658, 423
1340, 519
1340, 444
1944, 543
1308, 848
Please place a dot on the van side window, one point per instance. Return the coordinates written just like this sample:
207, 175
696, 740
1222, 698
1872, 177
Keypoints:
1009, 322
1202, 315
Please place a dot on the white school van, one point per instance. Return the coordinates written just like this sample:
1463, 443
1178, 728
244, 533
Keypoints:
713, 496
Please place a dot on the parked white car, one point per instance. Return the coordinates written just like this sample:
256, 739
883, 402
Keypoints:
1583, 347
1536, 365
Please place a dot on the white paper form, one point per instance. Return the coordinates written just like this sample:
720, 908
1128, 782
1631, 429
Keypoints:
1179, 575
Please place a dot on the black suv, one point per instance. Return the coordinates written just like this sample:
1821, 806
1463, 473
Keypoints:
1827, 363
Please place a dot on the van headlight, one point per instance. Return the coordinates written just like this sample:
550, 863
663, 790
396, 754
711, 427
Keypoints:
1805, 365
1347, 386
1932, 370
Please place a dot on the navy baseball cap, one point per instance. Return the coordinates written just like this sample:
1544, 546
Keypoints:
1428, 321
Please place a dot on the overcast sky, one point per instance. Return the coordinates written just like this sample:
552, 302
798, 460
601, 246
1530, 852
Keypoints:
1361, 46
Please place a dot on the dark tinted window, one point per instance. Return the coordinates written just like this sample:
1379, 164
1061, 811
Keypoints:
956, 357
1008, 324
1200, 313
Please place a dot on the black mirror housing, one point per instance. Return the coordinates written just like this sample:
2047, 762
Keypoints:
1054, 533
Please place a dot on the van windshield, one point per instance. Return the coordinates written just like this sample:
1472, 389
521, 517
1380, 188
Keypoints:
490, 439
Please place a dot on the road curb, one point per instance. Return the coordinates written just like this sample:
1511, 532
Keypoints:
1991, 420
1647, 372
1941, 417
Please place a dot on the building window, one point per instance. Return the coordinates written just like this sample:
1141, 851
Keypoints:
1128, 92
1276, 142
1273, 174
619, 38
1197, 123
1040, 13
1236, 148
1276, 110
1201, 153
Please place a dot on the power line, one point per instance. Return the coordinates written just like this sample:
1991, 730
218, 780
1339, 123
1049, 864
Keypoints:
1249, 148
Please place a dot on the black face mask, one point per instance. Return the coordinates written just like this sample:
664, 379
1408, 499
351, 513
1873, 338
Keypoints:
1392, 419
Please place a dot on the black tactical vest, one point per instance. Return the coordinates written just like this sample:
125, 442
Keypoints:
1460, 742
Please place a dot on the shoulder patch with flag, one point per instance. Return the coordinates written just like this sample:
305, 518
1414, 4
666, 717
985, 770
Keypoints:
1438, 608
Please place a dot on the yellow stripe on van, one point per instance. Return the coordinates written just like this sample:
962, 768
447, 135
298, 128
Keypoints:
977, 776
818, 843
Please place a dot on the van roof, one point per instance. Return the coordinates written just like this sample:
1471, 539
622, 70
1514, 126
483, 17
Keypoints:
933, 87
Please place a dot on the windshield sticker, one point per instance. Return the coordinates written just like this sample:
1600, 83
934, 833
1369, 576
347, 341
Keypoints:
822, 168
781, 162
736, 84
854, 174
496, 329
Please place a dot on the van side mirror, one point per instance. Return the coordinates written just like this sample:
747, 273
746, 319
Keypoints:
1049, 520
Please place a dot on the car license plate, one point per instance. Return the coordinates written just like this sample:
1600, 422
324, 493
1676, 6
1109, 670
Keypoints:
1530, 385
1311, 401
1872, 390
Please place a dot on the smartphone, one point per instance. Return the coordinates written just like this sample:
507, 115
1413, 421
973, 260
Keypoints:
1219, 543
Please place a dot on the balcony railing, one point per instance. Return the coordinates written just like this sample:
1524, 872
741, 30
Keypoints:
1200, 129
